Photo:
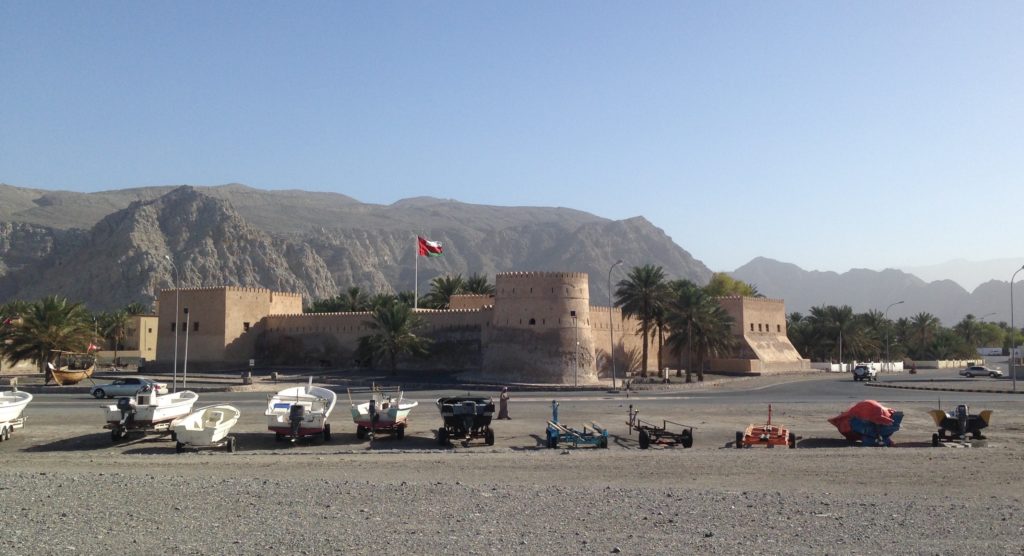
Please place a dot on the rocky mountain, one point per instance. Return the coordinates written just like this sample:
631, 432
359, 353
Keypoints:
111, 248
870, 289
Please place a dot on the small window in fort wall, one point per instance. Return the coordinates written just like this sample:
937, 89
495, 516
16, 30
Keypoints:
533, 322
531, 290
150, 330
758, 327
543, 321
172, 326
751, 327
778, 328
195, 326
245, 326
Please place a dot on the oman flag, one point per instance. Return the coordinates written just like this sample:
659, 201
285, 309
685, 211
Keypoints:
430, 248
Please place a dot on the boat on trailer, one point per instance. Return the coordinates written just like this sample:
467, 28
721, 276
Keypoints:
12, 405
207, 427
385, 410
147, 412
301, 412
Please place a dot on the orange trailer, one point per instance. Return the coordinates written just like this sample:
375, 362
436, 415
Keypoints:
766, 435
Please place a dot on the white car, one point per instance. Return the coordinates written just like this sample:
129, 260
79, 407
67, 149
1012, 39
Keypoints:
126, 387
981, 370
865, 372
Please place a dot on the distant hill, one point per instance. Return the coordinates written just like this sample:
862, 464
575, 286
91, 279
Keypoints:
969, 274
870, 289
109, 248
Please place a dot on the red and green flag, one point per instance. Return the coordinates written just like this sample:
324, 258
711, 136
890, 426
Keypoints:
430, 248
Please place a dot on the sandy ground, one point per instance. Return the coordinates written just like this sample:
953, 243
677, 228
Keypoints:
67, 490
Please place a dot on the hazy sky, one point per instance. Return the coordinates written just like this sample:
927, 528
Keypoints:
828, 134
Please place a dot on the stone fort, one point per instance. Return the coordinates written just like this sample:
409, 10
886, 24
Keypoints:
537, 327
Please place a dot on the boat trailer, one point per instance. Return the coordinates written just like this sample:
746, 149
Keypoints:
766, 434
7, 427
652, 434
558, 433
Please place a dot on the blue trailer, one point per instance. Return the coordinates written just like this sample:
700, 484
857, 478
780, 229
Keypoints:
558, 433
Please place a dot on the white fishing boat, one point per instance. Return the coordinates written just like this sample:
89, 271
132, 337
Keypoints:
385, 410
12, 404
301, 412
147, 412
207, 427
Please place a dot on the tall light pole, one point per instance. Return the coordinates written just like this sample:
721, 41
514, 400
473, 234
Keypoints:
184, 370
176, 324
885, 317
611, 324
1013, 332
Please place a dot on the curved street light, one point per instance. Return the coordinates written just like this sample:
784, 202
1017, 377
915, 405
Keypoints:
611, 325
176, 327
1013, 332
885, 317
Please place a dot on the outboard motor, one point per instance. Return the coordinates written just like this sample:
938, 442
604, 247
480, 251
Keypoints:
127, 409
372, 409
962, 416
296, 414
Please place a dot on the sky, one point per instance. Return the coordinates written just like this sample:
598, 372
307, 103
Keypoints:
832, 135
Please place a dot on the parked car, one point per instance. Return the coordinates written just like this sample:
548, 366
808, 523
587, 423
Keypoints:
126, 387
865, 372
981, 370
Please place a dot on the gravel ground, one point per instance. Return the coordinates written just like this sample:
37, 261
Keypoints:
67, 490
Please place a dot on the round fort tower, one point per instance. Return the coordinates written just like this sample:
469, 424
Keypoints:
532, 336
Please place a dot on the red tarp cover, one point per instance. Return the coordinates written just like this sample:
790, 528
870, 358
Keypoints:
867, 410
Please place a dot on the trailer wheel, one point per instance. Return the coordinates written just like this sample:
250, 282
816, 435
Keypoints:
117, 433
178, 447
3, 434
174, 436
278, 437
604, 442
360, 432
792, 440
552, 441
687, 439
232, 446
327, 432
442, 436
739, 439
935, 440
399, 433
489, 437
645, 440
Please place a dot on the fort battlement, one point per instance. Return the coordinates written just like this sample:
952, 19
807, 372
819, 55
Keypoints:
749, 299
231, 289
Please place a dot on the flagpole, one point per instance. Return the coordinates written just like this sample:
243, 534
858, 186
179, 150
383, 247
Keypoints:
416, 276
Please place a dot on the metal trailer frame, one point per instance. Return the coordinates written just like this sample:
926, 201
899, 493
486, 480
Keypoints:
120, 432
229, 443
7, 427
652, 434
557, 433
768, 435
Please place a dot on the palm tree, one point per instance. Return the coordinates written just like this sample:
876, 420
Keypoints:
48, 325
682, 305
723, 285
381, 299
135, 309
640, 295
712, 333
478, 284
442, 289
923, 328
114, 327
395, 326
970, 330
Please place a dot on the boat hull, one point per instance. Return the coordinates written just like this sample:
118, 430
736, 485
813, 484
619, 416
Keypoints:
12, 404
151, 410
388, 418
64, 377
206, 426
317, 404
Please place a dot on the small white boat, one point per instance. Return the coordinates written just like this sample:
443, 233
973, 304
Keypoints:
301, 412
147, 411
12, 404
386, 410
207, 426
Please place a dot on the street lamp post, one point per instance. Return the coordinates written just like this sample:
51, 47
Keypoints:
176, 324
885, 317
611, 324
184, 370
1013, 333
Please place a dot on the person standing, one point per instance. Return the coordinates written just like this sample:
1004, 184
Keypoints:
503, 404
